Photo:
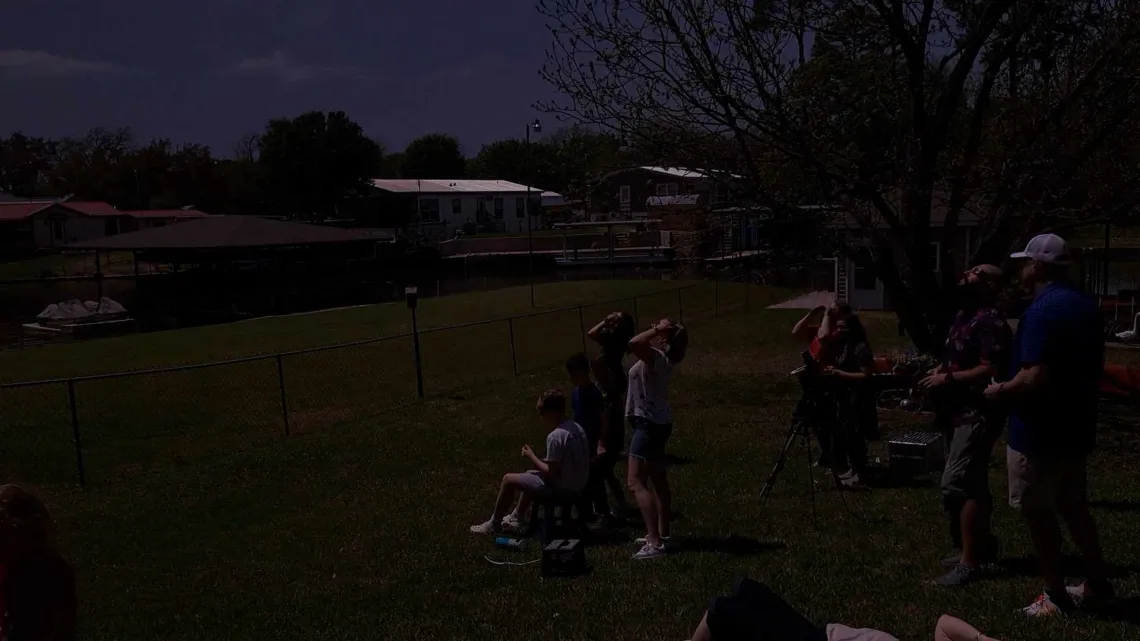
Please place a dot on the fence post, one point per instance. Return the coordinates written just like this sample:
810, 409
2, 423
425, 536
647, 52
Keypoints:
514, 359
582, 328
416, 355
636, 316
281, 387
75, 431
680, 308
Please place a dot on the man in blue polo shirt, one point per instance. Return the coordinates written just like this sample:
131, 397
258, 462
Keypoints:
1053, 390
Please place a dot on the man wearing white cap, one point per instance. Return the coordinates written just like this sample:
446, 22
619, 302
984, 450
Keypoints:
1057, 361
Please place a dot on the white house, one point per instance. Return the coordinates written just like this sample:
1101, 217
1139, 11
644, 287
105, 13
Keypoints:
446, 206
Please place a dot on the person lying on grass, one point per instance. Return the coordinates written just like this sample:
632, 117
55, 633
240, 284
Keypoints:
753, 612
565, 468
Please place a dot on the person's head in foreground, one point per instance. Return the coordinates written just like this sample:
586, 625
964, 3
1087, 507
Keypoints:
672, 338
979, 286
1045, 260
578, 367
25, 526
38, 585
551, 407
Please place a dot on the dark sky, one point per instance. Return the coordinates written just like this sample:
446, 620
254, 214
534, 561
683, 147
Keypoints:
209, 71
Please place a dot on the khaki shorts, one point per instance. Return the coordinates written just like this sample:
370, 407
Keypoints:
1046, 482
970, 441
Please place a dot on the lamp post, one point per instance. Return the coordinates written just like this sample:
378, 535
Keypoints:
536, 127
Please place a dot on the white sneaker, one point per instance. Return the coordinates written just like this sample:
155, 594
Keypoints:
649, 551
641, 540
514, 523
487, 527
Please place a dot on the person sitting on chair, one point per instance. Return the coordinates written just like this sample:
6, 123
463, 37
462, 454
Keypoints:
565, 468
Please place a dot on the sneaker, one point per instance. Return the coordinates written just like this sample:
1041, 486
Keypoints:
641, 540
1046, 606
649, 551
487, 527
1085, 598
514, 523
952, 560
852, 482
959, 576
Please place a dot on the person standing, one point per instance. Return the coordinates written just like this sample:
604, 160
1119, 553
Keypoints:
657, 349
977, 351
849, 382
1057, 364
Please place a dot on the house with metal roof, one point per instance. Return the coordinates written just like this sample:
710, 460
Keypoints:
441, 207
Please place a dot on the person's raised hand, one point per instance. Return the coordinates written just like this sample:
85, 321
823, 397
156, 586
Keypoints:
527, 452
663, 325
994, 391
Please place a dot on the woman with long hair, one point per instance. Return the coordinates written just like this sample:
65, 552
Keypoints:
613, 334
658, 349
850, 381
38, 586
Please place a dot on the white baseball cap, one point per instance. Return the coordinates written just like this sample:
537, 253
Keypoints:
1046, 248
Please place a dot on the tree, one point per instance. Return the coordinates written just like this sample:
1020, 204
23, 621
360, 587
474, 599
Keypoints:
1012, 108
314, 161
433, 156
25, 164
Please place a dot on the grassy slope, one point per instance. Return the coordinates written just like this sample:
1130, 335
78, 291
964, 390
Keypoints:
358, 530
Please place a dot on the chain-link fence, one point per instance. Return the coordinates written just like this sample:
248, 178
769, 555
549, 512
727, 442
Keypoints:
107, 427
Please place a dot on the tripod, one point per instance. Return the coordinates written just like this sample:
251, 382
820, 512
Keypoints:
800, 428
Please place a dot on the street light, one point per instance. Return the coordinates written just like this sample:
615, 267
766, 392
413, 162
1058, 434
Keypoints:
536, 127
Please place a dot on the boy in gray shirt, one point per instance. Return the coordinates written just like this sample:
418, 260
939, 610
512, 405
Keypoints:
566, 467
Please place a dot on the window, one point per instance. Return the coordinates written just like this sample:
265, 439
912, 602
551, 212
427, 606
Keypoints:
720, 193
57, 230
667, 189
520, 207
498, 208
456, 206
429, 210
623, 194
110, 227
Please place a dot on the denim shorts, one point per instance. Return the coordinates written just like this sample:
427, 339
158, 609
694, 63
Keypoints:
648, 440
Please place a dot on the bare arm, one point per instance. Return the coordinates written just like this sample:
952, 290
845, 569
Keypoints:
595, 333
812, 322
642, 344
1029, 379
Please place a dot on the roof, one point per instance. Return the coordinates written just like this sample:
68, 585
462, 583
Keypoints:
165, 213
446, 186
22, 210
677, 172
226, 232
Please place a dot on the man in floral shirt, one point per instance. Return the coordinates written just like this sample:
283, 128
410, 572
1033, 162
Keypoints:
976, 351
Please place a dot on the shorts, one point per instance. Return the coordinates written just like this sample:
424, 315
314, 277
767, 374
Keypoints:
532, 482
754, 611
970, 442
648, 440
1046, 482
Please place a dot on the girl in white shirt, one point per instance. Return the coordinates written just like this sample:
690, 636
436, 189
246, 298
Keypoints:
657, 350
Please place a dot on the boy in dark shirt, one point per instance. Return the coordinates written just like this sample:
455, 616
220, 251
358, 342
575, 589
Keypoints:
589, 406
611, 442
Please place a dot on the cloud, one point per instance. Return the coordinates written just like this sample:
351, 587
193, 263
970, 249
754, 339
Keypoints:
285, 69
41, 64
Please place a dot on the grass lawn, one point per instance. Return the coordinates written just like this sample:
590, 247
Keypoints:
200, 527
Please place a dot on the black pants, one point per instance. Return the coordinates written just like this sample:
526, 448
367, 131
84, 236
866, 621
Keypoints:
601, 475
755, 613
838, 417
